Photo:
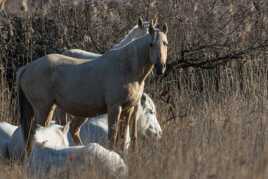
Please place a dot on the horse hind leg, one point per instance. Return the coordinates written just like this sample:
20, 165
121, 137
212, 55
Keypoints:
75, 129
50, 115
26, 120
114, 114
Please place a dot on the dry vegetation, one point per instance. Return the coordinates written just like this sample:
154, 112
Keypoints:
213, 102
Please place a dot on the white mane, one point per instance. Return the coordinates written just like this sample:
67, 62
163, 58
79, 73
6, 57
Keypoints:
131, 35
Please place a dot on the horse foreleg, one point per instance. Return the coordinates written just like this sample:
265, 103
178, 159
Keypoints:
125, 121
60, 116
75, 129
50, 115
114, 114
122, 126
133, 128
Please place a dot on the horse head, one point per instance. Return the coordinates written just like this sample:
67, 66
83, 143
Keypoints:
148, 124
53, 136
158, 48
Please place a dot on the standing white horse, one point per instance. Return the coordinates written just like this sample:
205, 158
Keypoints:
139, 30
114, 83
96, 129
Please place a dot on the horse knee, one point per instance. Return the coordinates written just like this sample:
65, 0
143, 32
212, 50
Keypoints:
77, 139
75, 132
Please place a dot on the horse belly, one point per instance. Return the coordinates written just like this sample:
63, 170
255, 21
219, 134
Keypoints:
86, 111
79, 96
87, 107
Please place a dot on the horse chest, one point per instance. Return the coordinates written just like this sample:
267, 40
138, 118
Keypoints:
132, 94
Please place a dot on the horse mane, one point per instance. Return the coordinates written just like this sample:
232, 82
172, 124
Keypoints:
118, 50
118, 45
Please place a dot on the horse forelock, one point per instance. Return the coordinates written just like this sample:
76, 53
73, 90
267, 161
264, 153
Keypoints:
156, 35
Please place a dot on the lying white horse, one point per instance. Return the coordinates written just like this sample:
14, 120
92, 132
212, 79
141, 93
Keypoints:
54, 136
6, 131
51, 155
45, 161
96, 129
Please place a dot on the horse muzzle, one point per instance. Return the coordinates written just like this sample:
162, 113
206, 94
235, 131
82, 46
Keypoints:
160, 68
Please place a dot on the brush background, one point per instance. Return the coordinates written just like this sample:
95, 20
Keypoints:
212, 103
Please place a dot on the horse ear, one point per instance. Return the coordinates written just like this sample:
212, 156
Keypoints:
151, 29
165, 28
66, 128
143, 99
140, 22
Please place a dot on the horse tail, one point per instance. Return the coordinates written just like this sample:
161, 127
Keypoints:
25, 109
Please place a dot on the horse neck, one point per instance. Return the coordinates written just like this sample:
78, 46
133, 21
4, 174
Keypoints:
137, 57
126, 39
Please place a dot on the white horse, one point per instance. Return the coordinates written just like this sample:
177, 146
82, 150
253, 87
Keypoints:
114, 84
6, 131
53, 136
51, 153
46, 161
96, 129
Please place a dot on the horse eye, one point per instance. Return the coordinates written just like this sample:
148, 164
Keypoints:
165, 43
150, 111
